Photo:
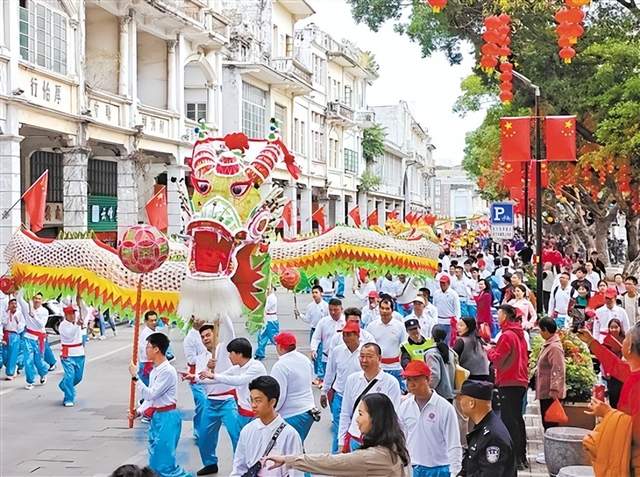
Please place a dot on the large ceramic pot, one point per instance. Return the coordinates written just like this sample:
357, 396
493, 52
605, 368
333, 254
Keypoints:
563, 447
576, 415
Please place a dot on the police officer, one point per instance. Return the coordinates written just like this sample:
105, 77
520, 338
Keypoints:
416, 345
490, 451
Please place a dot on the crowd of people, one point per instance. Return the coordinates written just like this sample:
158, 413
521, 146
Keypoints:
424, 378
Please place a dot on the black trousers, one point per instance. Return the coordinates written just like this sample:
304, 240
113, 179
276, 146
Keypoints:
544, 405
511, 400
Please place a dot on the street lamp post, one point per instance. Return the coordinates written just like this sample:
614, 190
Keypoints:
538, 165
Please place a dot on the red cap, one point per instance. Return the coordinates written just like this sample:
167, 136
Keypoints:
481, 263
69, 310
285, 339
611, 293
445, 279
373, 294
416, 368
351, 327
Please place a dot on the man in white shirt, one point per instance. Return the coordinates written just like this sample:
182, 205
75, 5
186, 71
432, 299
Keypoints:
160, 404
328, 286
459, 284
192, 346
294, 371
239, 376
445, 260
388, 285
560, 300
424, 312
71, 354
268, 434
13, 324
370, 311
316, 310
343, 361
35, 336
271, 326
371, 379
366, 287
352, 315
324, 333
447, 303
389, 334
430, 425
405, 293
631, 300
220, 407
592, 276
606, 313
145, 365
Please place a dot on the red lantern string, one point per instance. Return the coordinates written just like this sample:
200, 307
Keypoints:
570, 29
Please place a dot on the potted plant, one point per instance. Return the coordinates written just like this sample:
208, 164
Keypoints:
580, 377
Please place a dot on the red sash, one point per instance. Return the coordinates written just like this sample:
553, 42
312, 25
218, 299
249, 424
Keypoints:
65, 349
150, 411
5, 336
395, 359
41, 338
245, 412
453, 335
346, 448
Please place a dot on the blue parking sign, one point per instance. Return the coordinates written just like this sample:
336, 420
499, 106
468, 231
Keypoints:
501, 213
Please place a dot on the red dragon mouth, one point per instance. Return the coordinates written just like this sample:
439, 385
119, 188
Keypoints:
212, 249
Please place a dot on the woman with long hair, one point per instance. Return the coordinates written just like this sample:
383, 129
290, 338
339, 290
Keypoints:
521, 302
470, 350
383, 452
613, 385
597, 300
442, 362
484, 300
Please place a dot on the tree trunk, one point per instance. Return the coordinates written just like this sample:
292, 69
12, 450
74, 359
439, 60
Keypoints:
633, 246
601, 228
633, 268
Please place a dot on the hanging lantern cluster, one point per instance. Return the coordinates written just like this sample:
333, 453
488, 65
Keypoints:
437, 5
569, 28
496, 51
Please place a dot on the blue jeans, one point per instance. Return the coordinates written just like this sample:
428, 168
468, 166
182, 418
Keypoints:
164, 435
106, 316
397, 373
301, 423
49, 357
10, 352
216, 413
439, 471
336, 405
73, 367
199, 401
33, 360
266, 336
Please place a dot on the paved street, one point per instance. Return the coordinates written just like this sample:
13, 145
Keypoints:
40, 437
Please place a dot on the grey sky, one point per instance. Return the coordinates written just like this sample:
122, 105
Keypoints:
429, 85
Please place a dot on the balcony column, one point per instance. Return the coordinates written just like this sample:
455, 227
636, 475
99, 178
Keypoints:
363, 206
174, 211
123, 73
171, 75
340, 206
382, 206
290, 192
9, 187
74, 173
127, 194
133, 69
212, 120
305, 210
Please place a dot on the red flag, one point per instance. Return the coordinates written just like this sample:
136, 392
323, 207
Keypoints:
372, 218
35, 201
318, 216
156, 210
560, 138
287, 213
544, 169
515, 139
355, 216
512, 175
392, 215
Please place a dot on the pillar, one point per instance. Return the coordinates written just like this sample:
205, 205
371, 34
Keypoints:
133, 69
305, 210
174, 174
127, 194
290, 192
75, 161
212, 120
123, 73
9, 190
382, 206
180, 55
171, 75
363, 206
340, 210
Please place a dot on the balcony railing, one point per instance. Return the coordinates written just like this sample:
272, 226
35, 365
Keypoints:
292, 67
367, 117
337, 110
192, 8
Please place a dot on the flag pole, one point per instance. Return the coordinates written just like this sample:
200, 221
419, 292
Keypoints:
134, 353
5, 214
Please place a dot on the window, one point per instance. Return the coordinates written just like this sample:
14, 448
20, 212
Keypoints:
43, 36
41, 161
280, 113
102, 177
303, 137
197, 111
288, 46
296, 134
334, 153
254, 111
348, 96
317, 135
318, 69
350, 161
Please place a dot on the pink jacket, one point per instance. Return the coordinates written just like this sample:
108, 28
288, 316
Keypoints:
550, 371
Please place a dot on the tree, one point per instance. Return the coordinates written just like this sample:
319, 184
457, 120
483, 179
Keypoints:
373, 142
601, 86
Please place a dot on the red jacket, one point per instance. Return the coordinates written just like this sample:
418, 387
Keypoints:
510, 356
483, 302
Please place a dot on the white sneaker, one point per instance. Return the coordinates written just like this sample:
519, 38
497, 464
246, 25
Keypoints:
43, 380
9, 378
102, 338
28, 387
540, 458
115, 333
68, 404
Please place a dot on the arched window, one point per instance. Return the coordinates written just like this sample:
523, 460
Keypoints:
43, 34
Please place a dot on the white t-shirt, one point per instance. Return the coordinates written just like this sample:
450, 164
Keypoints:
294, 373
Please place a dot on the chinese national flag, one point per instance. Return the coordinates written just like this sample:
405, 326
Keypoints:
318, 216
544, 170
512, 175
287, 213
372, 218
156, 210
35, 201
355, 216
392, 215
515, 139
560, 138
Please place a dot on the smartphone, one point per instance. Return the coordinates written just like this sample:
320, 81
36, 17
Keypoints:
577, 326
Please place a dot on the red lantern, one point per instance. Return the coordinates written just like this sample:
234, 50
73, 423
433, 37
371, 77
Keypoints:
567, 54
437, 5
290, 278
7, 285
506, 96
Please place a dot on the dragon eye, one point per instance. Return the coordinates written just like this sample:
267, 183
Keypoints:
203, 187
238, 189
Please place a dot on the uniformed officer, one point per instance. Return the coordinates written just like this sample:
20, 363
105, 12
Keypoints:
490, 450
416, 345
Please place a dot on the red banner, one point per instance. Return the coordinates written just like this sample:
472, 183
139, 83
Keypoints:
560, 138
35, 201
156, 210
515, 139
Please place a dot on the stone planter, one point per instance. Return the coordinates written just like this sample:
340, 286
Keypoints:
563, 447
576, 415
